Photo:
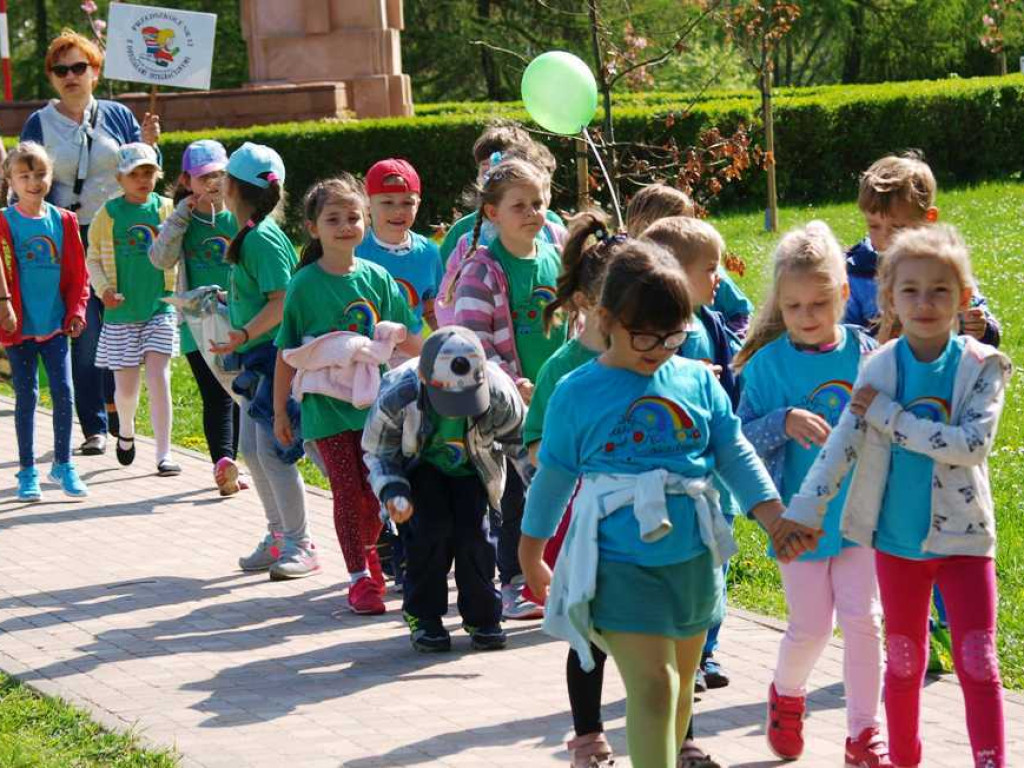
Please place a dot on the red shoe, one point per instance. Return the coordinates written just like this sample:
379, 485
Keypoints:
365, 598
868, 750
373, 565
785, 729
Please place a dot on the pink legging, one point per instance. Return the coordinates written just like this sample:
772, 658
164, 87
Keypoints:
968, 586
356, 509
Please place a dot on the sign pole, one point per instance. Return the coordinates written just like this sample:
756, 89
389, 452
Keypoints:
5, 52
152, 96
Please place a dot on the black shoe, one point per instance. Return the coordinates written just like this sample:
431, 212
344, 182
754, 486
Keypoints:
94, 445
428, 635
166, 468
491, 638
714, 675
125, 455
699, 683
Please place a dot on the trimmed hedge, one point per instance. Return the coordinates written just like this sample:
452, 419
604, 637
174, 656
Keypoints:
968, 129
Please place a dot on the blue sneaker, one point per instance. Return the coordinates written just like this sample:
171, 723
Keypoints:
28, 485
67, 478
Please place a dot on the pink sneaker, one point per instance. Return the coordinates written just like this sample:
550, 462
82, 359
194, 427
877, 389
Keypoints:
785, 729
868, 750
225, 475
365, 597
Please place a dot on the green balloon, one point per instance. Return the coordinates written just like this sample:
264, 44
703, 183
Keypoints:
560, 92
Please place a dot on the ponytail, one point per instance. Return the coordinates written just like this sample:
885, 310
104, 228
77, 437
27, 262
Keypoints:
263, 201
583, 267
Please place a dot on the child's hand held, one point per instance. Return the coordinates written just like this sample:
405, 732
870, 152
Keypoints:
400, 509
538, 578
112, 299
973, 322
75, 327
236, 338
807, 428
862, 400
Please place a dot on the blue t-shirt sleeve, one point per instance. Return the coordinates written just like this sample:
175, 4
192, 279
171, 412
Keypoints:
433, 256
736, 461
560, 447
546, 501
33, 129
729, 299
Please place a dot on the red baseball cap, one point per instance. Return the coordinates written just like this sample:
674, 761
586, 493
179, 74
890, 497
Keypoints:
385, 169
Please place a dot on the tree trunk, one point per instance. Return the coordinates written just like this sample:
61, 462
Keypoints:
852, 60
606, 91
771, 214
42, 43
488, 66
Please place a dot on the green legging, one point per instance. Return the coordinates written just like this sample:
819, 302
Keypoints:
658, 672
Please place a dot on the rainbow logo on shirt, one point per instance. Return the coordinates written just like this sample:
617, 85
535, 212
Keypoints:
41, 249
215, 248
830, 399
361, 317
456, 450
930, 408
411, 296
143, 235
657, 424
543, 295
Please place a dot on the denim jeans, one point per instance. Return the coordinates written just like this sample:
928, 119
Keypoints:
24, 359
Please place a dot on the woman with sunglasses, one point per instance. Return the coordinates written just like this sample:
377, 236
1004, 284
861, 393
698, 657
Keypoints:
82, 136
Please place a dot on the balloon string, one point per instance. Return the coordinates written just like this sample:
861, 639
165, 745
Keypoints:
607, 178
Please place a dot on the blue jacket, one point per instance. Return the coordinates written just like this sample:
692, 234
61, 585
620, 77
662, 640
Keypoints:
722, 342
256, 384
862, 308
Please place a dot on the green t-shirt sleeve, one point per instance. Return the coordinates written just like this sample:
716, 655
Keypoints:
272, 257
533, 427
451, 238
289, 333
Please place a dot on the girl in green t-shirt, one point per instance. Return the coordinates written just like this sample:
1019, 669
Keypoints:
262, 260
138, 328
333, 291
195, 238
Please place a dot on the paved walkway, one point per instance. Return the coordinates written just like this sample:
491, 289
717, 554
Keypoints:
130, 605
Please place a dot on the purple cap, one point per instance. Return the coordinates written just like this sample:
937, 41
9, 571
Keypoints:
204, 156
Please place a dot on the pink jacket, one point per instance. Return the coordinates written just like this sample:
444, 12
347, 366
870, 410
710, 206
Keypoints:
444, 304
344, 365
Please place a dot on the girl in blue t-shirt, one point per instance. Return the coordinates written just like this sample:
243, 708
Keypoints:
921, 422
799, 365
644, 432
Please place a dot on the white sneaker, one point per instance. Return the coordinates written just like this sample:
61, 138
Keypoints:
296, 562
514, 605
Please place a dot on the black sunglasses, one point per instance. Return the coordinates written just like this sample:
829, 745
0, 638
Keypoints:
61, 70
642, 341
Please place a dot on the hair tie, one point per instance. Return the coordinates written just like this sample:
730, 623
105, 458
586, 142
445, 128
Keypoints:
601, 234
250, 224
495, 158
272, 177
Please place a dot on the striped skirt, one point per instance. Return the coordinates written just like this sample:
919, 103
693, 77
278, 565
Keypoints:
124, 345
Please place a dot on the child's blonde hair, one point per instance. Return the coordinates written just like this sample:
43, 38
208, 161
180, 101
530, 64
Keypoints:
940, 242
808, 251
685, 238
894, 180
28, 153
653, 202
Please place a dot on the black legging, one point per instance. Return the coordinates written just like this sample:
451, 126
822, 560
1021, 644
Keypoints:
220, 414
585, 693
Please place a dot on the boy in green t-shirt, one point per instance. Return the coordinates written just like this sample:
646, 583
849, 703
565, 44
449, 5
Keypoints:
439, 496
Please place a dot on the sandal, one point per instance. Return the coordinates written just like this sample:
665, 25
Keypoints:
591, 750
692, 756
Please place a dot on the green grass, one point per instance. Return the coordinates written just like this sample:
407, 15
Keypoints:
39, 732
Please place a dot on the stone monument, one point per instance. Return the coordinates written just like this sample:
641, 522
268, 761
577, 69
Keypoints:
355, 42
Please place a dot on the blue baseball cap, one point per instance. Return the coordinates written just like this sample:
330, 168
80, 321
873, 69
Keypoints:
256, 164
203, 157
